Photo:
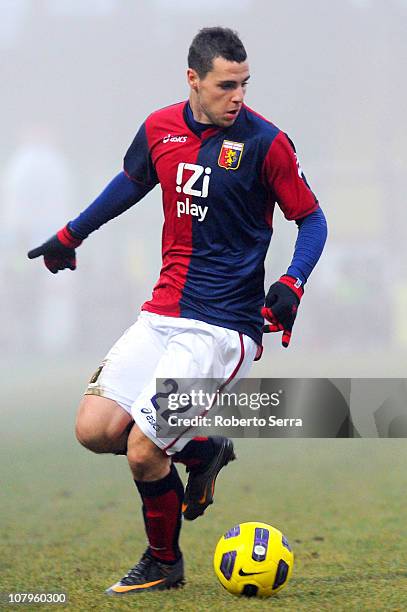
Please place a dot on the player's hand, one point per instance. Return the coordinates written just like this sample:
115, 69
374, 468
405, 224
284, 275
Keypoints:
281, 305
58, 251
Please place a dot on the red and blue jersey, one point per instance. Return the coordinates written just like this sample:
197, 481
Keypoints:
219, 191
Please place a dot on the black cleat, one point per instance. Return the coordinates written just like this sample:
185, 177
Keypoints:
201, 483
149, 574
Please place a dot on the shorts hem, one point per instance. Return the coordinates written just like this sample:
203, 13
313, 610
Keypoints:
108, 394
162, 443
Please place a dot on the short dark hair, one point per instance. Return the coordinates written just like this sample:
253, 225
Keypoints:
210, 43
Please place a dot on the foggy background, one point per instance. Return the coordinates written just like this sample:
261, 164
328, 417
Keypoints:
79, 77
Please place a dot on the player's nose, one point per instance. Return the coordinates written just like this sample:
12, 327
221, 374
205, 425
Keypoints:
238, 95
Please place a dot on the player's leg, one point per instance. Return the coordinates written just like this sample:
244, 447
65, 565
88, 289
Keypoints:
103, 426
218, 356
162, 492
104, 418
204, 457
190, 355
156, 478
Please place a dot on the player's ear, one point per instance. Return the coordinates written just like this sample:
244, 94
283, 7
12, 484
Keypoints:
192, 78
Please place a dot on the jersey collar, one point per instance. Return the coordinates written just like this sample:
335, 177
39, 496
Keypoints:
210, 130
200, 130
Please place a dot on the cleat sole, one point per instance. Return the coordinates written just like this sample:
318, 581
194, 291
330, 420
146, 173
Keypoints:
179, 584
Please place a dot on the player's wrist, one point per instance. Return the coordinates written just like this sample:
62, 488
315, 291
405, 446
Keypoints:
67, 238
294, 283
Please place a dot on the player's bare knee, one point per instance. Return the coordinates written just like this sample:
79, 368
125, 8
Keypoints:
147, 462
91, 435
102, 426
89, 438
139, 460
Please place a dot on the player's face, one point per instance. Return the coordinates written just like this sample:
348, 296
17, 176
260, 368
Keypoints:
218, 97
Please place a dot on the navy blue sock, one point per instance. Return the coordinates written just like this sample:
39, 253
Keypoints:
196, 454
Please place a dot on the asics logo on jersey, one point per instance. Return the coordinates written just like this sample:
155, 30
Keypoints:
200, 175
170, 138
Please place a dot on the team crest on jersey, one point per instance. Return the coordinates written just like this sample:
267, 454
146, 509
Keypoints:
230, 155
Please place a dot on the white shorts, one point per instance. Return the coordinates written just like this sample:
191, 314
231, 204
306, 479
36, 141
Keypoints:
158, 347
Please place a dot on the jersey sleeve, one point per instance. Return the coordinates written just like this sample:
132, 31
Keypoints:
138, 164
285, 180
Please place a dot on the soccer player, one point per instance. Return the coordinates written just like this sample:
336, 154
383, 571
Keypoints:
221, 167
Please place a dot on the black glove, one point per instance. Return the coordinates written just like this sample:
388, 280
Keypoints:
281, 305
58, 251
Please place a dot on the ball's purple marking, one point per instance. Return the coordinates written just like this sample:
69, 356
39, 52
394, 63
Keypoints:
285, 543
233, 532
261, 539
228, 563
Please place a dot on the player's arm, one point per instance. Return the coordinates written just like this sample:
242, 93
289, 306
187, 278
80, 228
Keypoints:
284, 296
294, 196
125, 190
119, 195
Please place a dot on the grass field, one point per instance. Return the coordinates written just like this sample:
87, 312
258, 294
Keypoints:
70, 520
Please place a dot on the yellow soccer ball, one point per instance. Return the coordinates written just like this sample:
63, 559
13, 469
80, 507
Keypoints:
253, 559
